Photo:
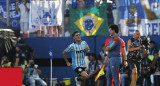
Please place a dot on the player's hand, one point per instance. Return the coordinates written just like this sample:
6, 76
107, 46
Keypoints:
69, 64
87, 49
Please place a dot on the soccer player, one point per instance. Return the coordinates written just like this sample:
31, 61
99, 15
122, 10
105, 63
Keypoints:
114, 61
78, 50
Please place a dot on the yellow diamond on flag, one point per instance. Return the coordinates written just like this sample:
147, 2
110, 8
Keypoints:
89, 24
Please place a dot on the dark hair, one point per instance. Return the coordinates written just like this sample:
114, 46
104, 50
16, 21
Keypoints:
114, 27
152, 42
74, 33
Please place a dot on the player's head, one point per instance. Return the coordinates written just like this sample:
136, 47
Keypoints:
137, 34
76, 36
113, 29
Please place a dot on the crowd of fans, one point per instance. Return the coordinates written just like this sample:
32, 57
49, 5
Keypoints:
24, 9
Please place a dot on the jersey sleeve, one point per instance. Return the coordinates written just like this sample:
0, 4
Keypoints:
122, 43
107, 41
69, 48
114, 43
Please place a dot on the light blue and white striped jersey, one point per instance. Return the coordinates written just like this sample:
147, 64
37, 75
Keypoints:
77, 53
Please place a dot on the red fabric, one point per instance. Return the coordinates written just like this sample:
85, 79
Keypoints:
11, 76
122, 45
107, 41
116, 39
112, 82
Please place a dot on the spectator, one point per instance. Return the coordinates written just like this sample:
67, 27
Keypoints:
20, 57
67, 34
116, 11
145, 74
157, 73
24, 19
20, 60
80, 3
5, 62
39, 29
57, 29
151, 57
152, 53
124, 73
157, 67
27, 50
93, 69
32, 73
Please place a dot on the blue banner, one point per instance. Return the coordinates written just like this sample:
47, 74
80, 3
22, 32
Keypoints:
14, 16
133, 17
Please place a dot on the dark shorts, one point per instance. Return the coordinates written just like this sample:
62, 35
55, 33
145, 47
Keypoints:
133, 64
78, 70
67, 13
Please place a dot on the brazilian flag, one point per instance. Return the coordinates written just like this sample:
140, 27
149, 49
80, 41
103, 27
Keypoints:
89, 21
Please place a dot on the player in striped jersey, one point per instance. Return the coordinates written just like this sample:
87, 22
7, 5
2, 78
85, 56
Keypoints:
78, 50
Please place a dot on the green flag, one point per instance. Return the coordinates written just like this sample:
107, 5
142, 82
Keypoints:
89, 21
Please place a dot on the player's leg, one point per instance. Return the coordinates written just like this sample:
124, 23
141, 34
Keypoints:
83, 77
108, 74
114, 64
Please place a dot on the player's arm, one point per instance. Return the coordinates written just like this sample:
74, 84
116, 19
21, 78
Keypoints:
87, 49
124, 55
65, 58
114, 44
129, 49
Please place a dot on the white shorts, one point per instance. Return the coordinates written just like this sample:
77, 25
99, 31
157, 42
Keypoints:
24, 27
